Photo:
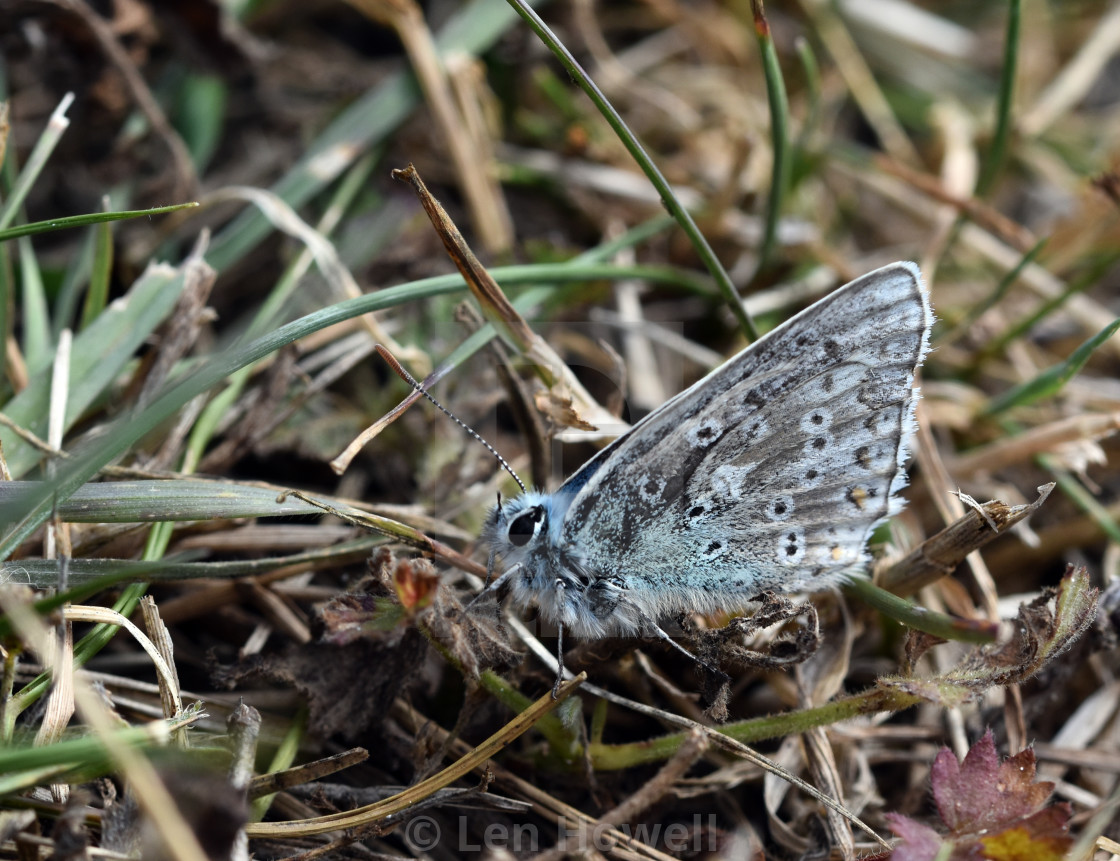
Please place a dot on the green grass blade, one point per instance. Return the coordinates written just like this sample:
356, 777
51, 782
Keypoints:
86, 749
74, 283
90, 576
921, 619
99, 354
779, 135
1050, 381
1082, 498
38, 348
812, 71
48, 140
43, 573
170, 499
270, 311
29, 510
634, 236
997, 153
98, 294
200, 115
85, 220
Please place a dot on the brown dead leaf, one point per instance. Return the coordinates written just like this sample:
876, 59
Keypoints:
560, 412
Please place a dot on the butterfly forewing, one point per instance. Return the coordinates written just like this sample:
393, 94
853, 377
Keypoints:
771, 472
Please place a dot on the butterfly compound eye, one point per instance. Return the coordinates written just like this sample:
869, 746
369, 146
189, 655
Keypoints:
525, 526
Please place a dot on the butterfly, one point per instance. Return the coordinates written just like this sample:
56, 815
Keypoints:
769, 474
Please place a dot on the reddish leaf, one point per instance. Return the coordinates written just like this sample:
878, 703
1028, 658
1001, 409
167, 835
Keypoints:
983, 794
918, 842
994, 811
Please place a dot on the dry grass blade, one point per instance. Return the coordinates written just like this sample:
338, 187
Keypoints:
490, 217
178, 839
265, 784
414, 794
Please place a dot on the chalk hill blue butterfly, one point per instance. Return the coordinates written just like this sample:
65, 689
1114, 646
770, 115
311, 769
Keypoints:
769, 474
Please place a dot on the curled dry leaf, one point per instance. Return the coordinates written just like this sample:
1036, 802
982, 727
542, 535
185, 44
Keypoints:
1044, 628
560, 411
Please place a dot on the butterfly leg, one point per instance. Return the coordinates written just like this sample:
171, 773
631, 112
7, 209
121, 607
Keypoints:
559, 660
715, 671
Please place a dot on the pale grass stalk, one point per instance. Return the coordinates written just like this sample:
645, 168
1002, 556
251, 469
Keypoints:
109, 616
960, 166
56, 421
1074, 81
48, 140
489, 215
1046, 438
150, 793
861, 82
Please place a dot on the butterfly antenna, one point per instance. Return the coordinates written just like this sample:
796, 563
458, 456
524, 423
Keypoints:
408, 378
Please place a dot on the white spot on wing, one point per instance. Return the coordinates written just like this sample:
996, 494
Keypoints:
816, 420
705, 433
779, 508
651, 487
729, 482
